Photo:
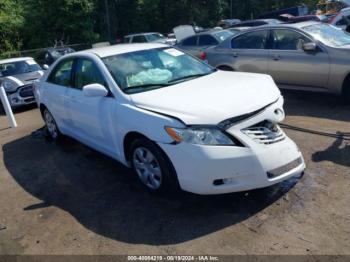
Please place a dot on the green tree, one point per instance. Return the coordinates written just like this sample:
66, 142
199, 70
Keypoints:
49, 21
11, 22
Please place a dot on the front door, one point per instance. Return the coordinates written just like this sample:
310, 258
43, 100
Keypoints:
91, 116
292, 67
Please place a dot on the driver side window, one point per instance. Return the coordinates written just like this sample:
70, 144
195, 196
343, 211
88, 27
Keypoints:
87, 73
288, 40
62, 74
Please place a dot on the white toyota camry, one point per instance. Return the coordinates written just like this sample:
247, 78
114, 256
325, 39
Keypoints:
172, 118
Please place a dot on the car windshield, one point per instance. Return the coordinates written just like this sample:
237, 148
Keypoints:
223, 35
329, 35
152, 69
154, 37
19, 67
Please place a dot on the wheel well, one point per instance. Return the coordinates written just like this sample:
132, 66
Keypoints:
128, 139
225, 68
346, 83
42, 108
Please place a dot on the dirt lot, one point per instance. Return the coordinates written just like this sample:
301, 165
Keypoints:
69, 199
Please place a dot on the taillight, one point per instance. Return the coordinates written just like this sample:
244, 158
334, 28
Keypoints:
203, 56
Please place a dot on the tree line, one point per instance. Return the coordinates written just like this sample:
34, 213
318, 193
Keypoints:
29, 24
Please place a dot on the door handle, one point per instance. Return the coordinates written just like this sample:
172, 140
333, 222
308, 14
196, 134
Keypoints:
235, 54
276, 57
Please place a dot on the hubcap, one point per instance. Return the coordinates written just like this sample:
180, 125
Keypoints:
51, 125
147, 168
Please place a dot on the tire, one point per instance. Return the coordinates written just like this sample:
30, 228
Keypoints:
346, 94
152, 166
52, 130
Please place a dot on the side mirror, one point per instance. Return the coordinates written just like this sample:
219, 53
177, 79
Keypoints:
95, 90
45, 67
309, 46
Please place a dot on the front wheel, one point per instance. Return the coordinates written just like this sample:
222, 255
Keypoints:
152, 166
51, 126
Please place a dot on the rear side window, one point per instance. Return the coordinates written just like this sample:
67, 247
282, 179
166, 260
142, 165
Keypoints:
139, 39
191, 41
62, 73
87, 73
251, 40
207, 40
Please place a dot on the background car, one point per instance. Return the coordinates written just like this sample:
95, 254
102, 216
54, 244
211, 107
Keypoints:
152, 37
196, 44
50, 55
256, 22
342, 19
17, 76
307, 56
226, 23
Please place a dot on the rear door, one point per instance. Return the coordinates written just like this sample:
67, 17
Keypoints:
291, 66
55, 91
249, 52
91, 116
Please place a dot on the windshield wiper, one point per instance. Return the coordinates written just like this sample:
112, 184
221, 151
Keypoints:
187, 77
144, 86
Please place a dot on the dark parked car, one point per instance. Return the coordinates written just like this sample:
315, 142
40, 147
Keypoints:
195, 44
50, 55
226, 23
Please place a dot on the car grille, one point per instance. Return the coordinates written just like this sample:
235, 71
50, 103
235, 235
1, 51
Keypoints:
284, 169
265, 133
26, 91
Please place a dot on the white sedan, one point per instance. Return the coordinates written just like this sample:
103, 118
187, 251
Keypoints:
175, 120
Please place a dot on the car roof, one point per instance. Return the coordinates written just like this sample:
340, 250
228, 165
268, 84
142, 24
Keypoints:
17, 59
120, 49
136, 34
286, 25
212, 32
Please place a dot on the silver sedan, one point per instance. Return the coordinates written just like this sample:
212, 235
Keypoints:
305, 56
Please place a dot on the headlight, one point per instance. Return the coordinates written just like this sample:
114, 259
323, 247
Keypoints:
199, 136
9, 86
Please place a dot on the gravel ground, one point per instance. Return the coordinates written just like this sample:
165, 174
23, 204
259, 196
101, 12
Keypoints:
68, 199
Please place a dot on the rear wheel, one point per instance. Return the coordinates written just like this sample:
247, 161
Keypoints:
346, 90
346, 95
51, 126
152, 166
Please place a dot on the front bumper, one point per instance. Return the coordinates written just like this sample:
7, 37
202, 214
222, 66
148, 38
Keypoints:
226, 169
23, 96
200, 167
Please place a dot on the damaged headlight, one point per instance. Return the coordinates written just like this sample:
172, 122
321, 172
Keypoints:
199, 136
9, 85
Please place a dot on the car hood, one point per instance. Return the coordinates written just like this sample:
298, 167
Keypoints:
24, 79
211, 99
